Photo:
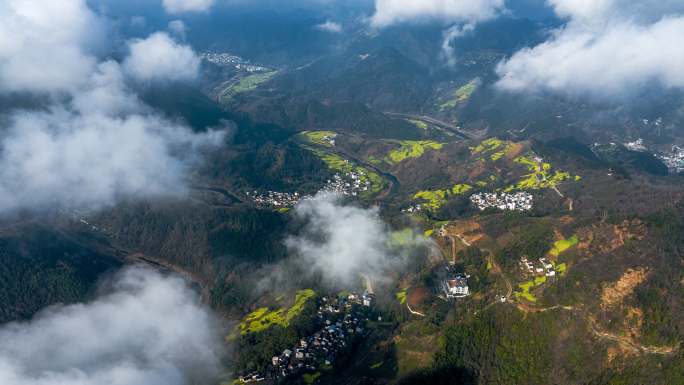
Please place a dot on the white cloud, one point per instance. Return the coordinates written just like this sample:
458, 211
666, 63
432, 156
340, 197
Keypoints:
388, 12
582, 9
100, 144
148, 330
177, 28
330, 26
159, 58
449, 35
182, 6
340, 241
94, 159
45, 45
608, 52
600, 11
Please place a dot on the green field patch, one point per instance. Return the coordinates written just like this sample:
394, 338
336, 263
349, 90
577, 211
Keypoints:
336, 162
526, 290
262, 318
527, 295
538, 179
419, 124
539, 280
437, 198
531, 164
560, 269
282, 210
402, 295
247, 84
257, 314
526, 286
316, 137
309, 378
459, 95
412, 149
343, 294
493, 149
427, 233
481, 183
563, 244
376, 366
403, 238
373, 160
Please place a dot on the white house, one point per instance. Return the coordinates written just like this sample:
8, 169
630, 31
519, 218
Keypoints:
455, 287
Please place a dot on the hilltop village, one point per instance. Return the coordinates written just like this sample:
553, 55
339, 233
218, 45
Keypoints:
519, 201
337, 334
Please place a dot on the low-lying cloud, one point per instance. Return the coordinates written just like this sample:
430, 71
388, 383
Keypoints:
451, 34
95, 143
609, 50
160, 58
340, 241
330, 26
388, 12
145, 329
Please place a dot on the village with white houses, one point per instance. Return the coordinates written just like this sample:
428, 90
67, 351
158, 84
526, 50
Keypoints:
636, 146
330, 139
332, 340
223, 58
519, 201
338, 186
675, 162
546, 267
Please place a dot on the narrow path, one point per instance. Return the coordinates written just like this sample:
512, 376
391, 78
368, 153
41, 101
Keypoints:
453, 248
369, 285
554, 187
414, 312
570, 199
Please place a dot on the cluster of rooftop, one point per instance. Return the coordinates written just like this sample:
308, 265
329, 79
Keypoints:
455, 286
275, 198
250, 68
328, 343
674, 163
636, 146
329, 138
337, 186
411, 209
545, 265
519, 201
222, 58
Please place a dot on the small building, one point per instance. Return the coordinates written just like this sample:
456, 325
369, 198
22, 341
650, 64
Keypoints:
329, 359
456, 286
368, 299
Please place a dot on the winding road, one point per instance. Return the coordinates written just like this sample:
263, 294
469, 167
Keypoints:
438, 122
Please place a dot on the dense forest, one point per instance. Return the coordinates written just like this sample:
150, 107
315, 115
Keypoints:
39, 267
